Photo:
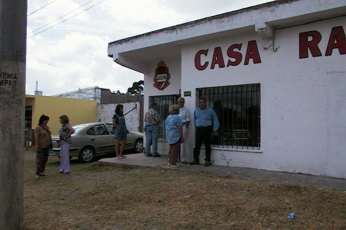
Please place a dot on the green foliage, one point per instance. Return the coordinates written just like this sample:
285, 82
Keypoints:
136, 88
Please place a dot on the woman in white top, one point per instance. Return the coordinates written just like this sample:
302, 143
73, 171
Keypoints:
185, 117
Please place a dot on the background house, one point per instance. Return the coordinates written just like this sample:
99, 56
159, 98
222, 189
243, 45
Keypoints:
106, 102
79, 111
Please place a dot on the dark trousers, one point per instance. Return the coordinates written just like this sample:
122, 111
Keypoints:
173, 153
203, 135
41, 160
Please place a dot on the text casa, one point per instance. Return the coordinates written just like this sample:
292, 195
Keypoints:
234, 56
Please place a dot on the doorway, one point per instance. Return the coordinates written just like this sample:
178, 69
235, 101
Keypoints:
163, 103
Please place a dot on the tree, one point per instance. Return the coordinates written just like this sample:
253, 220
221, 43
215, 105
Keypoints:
136, 88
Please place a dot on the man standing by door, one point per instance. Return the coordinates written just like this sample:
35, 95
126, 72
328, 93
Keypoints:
185, 117
151, 127
206, 122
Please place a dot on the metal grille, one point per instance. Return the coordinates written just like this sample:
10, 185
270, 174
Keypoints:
238, 110
163, 103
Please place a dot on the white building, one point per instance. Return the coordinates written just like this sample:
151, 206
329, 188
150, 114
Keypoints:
90, 93
275, 73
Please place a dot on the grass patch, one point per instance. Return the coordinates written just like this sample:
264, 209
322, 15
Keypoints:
107, 197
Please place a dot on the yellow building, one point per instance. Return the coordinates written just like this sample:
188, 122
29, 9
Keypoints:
79, 111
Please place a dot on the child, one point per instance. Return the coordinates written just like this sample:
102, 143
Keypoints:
174, 134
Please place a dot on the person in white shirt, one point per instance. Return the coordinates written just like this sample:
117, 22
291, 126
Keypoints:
185, 117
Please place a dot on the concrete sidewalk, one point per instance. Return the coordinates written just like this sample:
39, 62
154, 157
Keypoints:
235, 172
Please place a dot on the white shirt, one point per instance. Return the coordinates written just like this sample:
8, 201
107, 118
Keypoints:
185, 115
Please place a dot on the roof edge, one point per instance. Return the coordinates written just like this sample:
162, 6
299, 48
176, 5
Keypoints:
201, 20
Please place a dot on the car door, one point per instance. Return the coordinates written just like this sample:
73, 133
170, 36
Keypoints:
104, 139
100, 138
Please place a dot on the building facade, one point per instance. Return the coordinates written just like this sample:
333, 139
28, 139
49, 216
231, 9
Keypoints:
274, 73
79, 111
107, 101
133, 109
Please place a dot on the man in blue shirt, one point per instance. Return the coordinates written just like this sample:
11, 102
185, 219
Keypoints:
206, 122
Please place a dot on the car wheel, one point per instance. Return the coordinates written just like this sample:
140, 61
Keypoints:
87, 154
139, 145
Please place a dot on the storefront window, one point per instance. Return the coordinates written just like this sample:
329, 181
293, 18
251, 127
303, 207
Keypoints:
238, 110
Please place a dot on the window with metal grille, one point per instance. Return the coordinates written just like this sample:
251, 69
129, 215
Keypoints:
239, 112
163, 103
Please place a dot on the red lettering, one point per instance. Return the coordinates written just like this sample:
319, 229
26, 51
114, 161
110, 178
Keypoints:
252, 53
198, 64
306, 44
218, 58
337, 40
235, 55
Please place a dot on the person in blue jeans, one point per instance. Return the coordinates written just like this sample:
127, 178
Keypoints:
151, 128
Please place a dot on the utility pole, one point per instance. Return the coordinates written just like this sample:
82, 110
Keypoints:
13, 22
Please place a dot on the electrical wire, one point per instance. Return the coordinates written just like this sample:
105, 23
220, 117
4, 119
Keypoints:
73, 13
41, 8
68, 14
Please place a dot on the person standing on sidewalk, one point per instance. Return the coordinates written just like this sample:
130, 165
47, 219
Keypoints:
43, 142
120, 131
206, 123
174, 134
185, 117
64, 142
151, 127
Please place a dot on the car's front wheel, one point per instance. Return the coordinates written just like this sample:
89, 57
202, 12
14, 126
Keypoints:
87, 154
139, 146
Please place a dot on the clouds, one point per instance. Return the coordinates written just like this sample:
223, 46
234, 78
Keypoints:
73, 54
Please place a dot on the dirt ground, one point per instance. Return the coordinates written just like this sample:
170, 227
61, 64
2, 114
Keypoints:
109, 197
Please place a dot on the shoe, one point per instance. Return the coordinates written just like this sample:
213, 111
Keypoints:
156, 155
194, 163
149, 155
207, 163
170, 166
173, 166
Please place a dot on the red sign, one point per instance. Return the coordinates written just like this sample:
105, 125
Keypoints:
231, 57
162, 76
311, 41
235, 54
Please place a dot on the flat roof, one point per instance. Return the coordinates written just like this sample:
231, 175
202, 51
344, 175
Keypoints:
131, 51
205, 19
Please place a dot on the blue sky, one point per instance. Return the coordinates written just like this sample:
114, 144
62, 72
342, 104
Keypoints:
73, 54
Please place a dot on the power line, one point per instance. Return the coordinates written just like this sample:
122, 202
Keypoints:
67, 16
41, 8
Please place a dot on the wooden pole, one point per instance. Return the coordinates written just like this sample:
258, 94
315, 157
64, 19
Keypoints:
13, 22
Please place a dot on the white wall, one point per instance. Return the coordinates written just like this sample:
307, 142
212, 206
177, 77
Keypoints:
105, 113
174, 87
303, 102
